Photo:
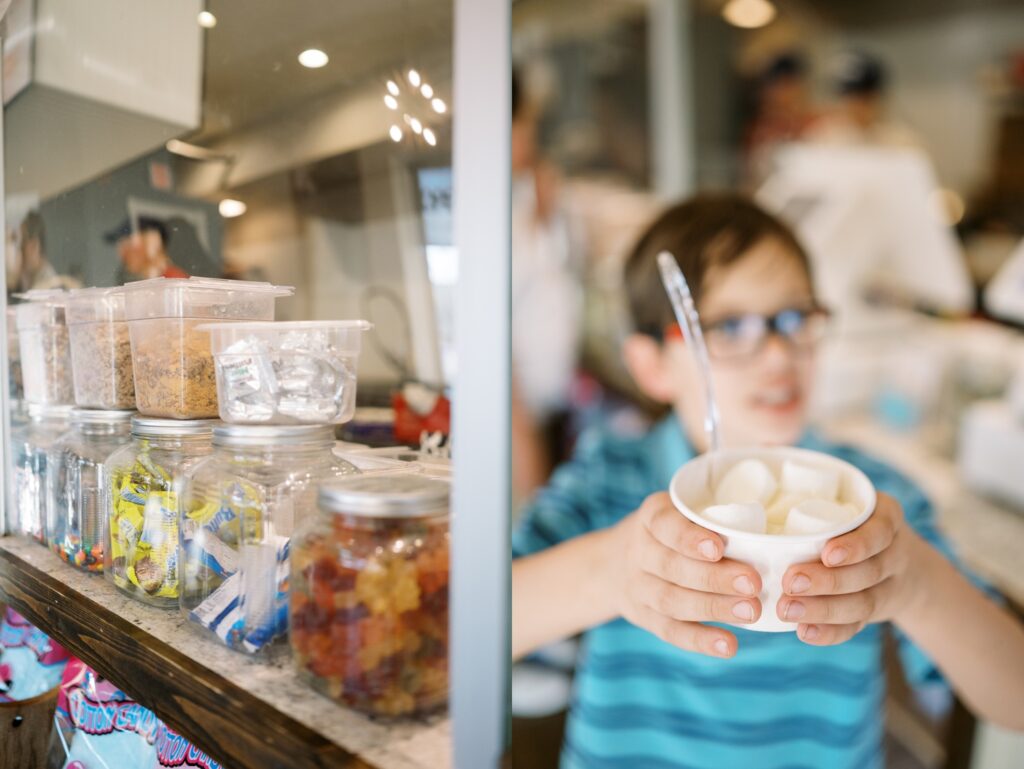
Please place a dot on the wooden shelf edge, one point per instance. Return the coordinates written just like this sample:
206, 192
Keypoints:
221, 718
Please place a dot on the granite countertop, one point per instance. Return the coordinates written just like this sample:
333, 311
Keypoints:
424, 744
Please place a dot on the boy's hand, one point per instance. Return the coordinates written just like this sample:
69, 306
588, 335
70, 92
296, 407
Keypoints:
862, 577
666, 574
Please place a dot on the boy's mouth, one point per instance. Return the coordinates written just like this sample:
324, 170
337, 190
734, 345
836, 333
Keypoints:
778, 400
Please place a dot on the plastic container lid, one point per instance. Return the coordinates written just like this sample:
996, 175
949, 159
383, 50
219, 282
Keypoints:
41, 411
149, 426
41, 308
83, 416
92, 305
201, 298
273, 435
386, 496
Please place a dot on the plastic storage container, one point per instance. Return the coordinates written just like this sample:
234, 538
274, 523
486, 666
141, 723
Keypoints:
146, 478
32, 443
76, 524
174, 374
287, 373
369, 594
238, 514
15, 388
101, 351
45, 350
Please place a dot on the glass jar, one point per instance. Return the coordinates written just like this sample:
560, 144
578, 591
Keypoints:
239, 511
369, 595
32, 443
146, 478
76, 523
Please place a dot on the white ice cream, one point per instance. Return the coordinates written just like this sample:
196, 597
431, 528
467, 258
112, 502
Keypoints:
746, 482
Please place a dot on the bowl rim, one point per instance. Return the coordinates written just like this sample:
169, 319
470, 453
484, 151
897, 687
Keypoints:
779, 539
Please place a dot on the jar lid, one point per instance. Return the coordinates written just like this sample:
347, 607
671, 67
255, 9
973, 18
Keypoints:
82, 416
273, 435
40, 411
149, 426
386, 496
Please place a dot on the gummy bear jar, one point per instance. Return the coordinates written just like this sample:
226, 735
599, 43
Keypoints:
145, 483
238, 514
369, 595
32, 444
76, 522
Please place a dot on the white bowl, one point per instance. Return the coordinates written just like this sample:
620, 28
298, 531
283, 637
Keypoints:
770, 554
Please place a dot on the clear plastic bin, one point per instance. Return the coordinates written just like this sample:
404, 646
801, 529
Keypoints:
101, 351
287, 373
174, 373
14, 384
45, 350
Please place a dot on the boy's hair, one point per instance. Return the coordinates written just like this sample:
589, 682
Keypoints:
703, 233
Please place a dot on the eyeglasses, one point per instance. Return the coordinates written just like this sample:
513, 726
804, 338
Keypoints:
744, 336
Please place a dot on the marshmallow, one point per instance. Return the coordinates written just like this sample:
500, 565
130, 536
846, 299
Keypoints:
807, 481
747, 481
742, 517
780, 507
817, 516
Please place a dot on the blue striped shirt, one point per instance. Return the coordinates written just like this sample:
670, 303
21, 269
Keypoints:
640, 703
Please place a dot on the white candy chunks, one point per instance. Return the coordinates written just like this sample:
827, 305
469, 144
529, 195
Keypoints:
807, 481
816, 516
742, 517
746, 482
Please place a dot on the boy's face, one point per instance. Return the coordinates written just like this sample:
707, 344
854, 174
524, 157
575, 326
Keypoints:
762, 396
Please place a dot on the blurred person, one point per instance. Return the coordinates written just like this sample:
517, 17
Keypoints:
669, 677
546, 303
143, 249
783, 113
860, 118
34, 270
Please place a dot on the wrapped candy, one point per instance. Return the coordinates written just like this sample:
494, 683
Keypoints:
31, 663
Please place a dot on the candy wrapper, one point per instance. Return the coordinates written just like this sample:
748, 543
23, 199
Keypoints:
31, 663
300, 377
101, 727
173, 750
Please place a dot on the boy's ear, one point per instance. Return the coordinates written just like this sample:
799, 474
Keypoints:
645, 361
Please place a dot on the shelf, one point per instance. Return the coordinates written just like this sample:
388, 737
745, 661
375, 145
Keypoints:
243, 712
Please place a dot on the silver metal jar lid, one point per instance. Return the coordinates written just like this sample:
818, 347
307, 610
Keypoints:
244, 436
40, 411
152, 427
386, 496
82, 416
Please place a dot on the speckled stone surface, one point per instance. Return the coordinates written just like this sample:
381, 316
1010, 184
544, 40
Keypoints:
404, 745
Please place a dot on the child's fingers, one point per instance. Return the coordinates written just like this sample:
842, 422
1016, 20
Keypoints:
725, 577
827, 635
681, 603
807, 579
674, 530
833, 610
689, 636
874, 536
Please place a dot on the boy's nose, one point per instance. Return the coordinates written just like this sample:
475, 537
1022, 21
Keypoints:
777, 350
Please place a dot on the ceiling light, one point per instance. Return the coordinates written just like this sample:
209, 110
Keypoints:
428, 137
417, 126
230, 208
414, 78
207, 20
393, 88
391, 101
439, 106
748, 14
426, 90
313, 58
395, 133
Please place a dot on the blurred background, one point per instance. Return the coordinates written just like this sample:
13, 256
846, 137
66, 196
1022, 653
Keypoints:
890, 135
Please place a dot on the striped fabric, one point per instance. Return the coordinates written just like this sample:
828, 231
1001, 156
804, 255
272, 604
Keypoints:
640, 703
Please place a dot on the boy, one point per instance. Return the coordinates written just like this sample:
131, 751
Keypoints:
602, 549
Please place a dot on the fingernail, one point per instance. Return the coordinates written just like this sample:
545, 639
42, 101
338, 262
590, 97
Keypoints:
799, 584
743, 585
837, 556
722, 647
708, 550
811, 632
744, 611
794, 611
